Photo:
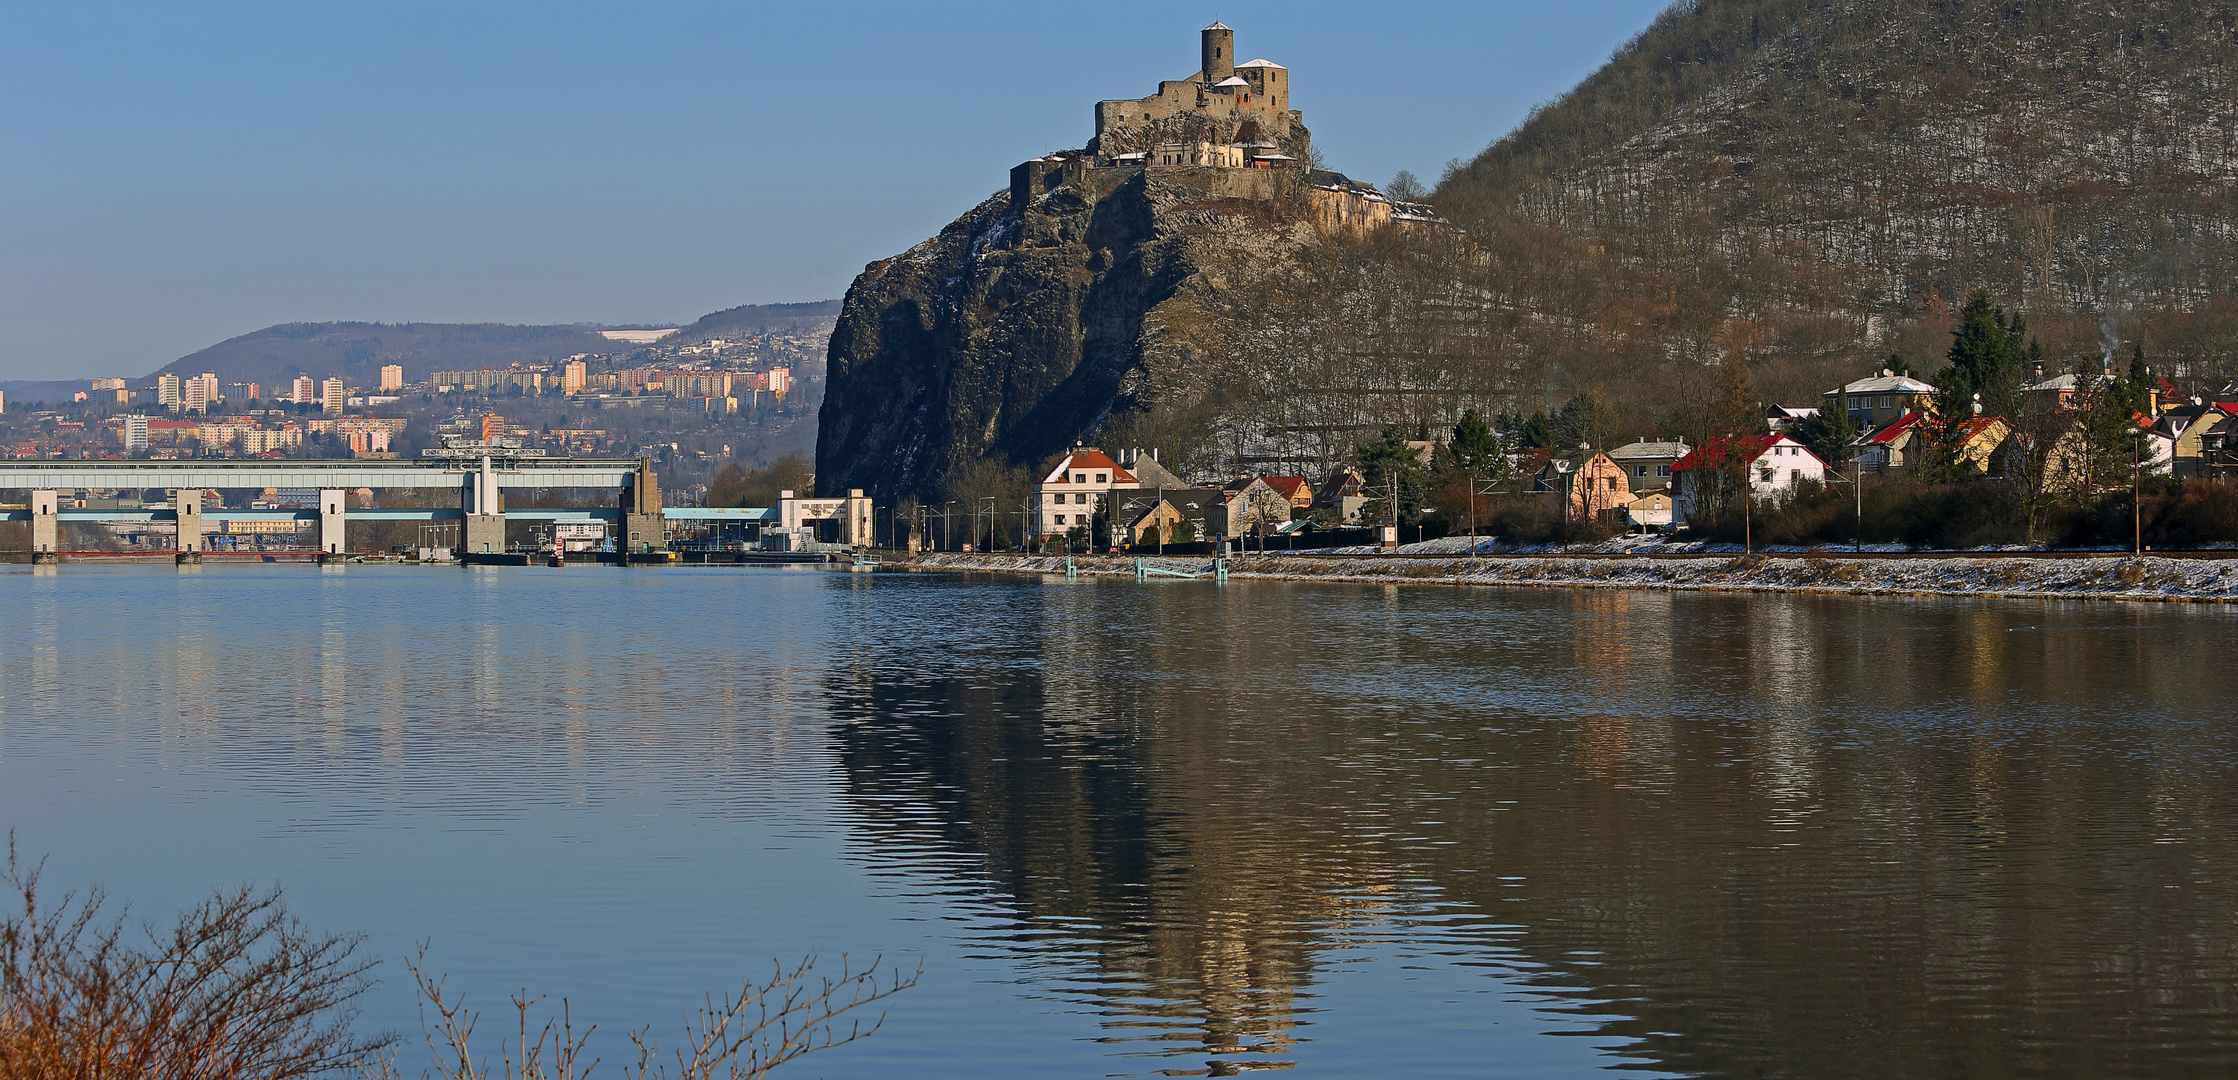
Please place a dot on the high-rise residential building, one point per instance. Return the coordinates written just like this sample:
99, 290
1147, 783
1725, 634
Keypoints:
197, 394
493, 426
133, 433
574, 377
305, 390
107, 384
169, 391
331, 396
780, 381
244, 391
392, 377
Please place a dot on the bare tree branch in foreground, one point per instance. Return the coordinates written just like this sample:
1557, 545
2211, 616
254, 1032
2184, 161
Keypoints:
767, 1024
236, 989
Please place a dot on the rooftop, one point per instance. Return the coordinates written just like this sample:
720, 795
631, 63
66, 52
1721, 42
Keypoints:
1885, 383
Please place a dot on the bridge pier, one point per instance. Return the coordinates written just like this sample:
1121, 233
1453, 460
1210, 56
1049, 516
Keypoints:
46, 526
188, 547
331, 522
643, 529
483, 530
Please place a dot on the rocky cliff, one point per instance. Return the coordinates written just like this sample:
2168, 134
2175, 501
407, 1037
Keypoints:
1024, 327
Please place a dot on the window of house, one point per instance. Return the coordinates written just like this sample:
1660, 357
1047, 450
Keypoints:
1060, 519
1794, 475
1767, 473
1103, 478
1639, 470
1080, 478
1662, 470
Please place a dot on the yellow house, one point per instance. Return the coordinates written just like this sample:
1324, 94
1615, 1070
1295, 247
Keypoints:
1881, 398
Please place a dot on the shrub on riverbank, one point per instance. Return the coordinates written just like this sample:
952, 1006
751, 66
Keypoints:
235, 988
1983, 512
238, 989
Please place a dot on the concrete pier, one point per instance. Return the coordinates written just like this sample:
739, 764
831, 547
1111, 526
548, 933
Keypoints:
643, 528
46, 526
483, 531
331, 523
187, 504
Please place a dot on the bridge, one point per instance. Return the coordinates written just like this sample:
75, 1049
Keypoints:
480, 483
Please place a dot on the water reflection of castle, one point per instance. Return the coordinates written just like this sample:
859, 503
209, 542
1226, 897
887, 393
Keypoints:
1205, 813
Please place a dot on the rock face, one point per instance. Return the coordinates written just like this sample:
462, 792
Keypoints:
1021, 328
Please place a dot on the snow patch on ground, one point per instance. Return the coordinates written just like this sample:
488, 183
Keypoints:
2106, 577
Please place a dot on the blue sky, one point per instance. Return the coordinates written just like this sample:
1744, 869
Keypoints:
172, 175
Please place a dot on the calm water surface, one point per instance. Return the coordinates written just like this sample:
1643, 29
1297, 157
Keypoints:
1178, 830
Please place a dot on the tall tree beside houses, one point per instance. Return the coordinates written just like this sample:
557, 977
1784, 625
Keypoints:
1986, 358
2108, 417
1829, 433
1389, 464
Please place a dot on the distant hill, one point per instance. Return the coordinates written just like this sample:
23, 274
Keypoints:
752, 318
1807, 185
357, 350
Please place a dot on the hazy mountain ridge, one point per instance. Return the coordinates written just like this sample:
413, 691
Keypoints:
357, 350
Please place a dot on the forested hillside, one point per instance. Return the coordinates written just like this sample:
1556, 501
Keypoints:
1804, 187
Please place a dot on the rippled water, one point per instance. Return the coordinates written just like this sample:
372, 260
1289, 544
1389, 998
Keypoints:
1174, 829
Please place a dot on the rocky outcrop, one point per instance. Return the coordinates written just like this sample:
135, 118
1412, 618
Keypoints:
1022, 328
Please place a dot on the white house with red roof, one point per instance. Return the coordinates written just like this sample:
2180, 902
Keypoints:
1776, 464
1067, 498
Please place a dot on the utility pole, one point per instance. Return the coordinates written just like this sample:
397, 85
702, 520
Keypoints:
2137, 495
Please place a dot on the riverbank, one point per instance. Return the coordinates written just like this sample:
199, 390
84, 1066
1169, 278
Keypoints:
2098, 577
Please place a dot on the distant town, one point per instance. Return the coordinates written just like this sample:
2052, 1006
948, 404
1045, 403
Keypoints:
684, 405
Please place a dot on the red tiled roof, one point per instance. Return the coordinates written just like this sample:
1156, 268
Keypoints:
1889, 432
1288, 487
1089, 458
1711, 455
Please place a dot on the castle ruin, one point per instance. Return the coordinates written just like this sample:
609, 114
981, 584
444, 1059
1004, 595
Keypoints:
1227, 128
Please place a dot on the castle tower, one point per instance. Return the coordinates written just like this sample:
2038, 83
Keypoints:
1219, 53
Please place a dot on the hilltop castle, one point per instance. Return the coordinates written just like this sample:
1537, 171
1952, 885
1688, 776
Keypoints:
1241, 106
1228, 130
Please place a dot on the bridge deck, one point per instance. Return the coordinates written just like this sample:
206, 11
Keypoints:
353, 473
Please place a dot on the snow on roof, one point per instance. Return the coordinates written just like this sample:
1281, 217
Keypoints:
1276, 157
1232, 80
1646, 449
1885, 384
2068, 382
1261, 62
1219, 26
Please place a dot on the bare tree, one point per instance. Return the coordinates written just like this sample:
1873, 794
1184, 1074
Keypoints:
235, 989
741, 1037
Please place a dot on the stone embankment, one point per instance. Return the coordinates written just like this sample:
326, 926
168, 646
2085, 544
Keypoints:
2087, 577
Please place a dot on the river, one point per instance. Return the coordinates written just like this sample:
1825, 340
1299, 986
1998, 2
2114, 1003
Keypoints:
1178, 828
